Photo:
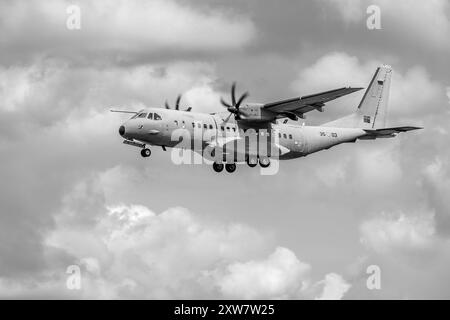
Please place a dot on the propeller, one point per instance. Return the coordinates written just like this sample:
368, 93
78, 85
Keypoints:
177, 104
235, 104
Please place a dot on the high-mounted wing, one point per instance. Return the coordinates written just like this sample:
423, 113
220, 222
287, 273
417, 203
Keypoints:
301, 105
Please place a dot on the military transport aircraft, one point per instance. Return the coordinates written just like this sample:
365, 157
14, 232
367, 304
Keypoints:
156, 126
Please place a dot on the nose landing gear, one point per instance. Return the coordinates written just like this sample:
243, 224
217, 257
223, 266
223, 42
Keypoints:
146, 152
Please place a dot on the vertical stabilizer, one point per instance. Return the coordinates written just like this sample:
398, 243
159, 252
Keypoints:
372, 110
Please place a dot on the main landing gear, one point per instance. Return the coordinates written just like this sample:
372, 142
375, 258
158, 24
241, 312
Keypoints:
264, 162
251, 162
146, 152
229, 167
218, 167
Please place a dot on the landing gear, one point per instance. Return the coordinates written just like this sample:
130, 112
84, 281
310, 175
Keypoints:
146, 152
264, 162
230, 167
218, 167
252, 161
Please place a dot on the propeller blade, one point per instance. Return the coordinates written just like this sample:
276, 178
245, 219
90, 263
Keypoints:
228, 118
177, 103
245, 95
225, 104
167, 105
233, 94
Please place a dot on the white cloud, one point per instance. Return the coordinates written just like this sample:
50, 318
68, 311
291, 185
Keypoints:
203, 98
400, 19
334, 287
49, 90
377, 167
332, 174
280, 276
351, 11
391, 232
129, 251
436, 184
163, 255
338, 69
125, 28
448, 94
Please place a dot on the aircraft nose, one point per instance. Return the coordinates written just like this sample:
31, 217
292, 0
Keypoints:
122, 130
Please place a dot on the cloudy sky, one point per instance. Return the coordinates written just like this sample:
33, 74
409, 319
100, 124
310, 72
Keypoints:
73, 194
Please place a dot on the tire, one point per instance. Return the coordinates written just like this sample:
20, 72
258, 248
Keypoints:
230, 167
146, 153
252, 162
218, 167
264, 162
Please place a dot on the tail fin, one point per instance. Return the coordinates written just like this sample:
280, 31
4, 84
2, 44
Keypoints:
372, 110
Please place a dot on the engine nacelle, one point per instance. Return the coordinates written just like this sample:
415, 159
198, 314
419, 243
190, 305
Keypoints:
255, 112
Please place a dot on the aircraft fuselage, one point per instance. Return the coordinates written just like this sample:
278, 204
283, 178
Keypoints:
293, 141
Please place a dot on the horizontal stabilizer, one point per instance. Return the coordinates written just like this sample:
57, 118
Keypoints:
388, 132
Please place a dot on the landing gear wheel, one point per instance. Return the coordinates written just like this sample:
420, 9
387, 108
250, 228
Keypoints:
264, 162
146, 153
252, 162
230, 167
218, 167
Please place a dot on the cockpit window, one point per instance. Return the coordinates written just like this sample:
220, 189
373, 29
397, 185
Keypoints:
157, 117
142, 115
150, 116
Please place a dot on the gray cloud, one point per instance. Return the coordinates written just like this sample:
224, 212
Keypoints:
66, 170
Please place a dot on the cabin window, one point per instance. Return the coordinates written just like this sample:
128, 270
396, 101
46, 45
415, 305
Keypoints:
210, 126
279, 134
150, 116
199, 125
228, 128
284, 135
290, 136
205, 126
222, 128
142, 115
176, 122
156, 117
193, 125
234, 129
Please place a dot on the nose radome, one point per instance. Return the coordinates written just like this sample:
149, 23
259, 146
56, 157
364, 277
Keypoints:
122, 130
